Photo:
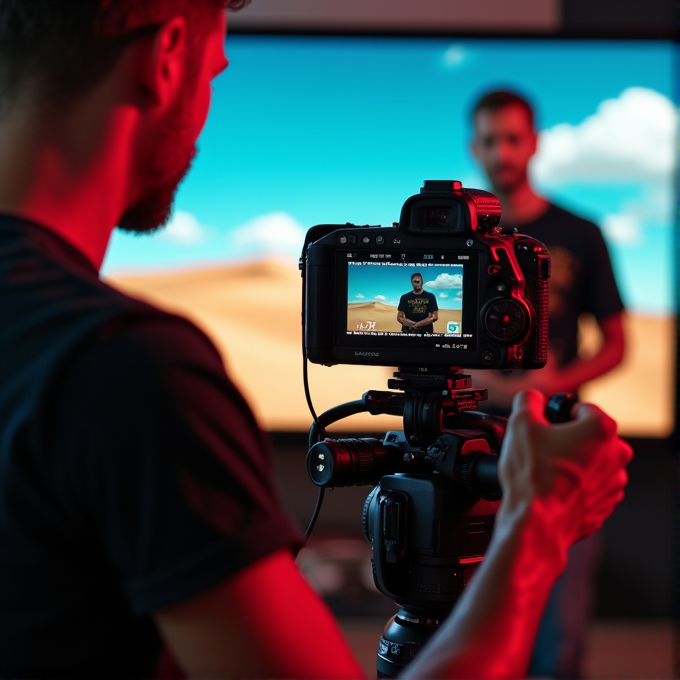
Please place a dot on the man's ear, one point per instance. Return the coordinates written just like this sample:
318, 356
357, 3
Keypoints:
164, 61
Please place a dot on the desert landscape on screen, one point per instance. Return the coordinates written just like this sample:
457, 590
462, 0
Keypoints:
361, 315
261, 346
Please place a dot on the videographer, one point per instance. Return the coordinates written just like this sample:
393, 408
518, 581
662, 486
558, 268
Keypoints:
417, 310
137, 508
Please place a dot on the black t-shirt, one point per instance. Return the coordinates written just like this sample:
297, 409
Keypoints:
132, 473
581, 281
417, 308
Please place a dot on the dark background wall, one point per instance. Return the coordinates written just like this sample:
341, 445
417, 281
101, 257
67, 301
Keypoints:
569, 18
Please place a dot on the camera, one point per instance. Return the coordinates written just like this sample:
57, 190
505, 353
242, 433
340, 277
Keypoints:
368, 290
443, 290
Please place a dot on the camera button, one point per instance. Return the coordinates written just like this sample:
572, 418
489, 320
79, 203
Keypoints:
343, 239
380, 240
366, 239
352, 239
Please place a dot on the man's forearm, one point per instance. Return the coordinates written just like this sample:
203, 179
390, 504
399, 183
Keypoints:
424, 322
580, 371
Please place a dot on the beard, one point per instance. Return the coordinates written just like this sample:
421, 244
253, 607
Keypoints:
164, 167
507, 178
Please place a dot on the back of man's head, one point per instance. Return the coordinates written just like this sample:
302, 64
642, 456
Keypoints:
53, 51
497, 100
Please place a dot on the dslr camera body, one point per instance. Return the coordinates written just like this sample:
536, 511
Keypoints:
490, 287
443, 290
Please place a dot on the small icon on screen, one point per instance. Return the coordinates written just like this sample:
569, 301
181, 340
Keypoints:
453, 327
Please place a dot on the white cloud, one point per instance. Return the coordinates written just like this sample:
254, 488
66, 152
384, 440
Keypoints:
443, 295
183, 228
359, 295
445, 281
274, 233
631, 137
455, 56
624, 229
380, 298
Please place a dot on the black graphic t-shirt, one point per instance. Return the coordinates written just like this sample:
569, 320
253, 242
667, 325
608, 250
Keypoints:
417, 308
582, 279
133, 475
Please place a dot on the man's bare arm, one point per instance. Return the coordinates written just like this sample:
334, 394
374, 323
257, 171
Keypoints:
431, 318
610, 355
265, 622
553, 379
401, 318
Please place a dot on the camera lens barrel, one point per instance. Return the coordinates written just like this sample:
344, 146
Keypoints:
351, 462
479, 474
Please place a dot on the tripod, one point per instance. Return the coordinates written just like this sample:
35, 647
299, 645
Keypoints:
430, 517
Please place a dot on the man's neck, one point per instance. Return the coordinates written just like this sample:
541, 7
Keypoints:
521, 205
67, 173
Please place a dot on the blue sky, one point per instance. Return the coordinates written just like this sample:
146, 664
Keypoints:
387, 283
313, 130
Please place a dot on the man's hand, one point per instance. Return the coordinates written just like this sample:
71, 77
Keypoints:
566, 477
559, 483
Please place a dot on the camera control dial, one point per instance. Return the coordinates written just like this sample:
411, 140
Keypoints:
505, 320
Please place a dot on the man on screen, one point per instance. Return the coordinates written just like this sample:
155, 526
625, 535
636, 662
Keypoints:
418, 309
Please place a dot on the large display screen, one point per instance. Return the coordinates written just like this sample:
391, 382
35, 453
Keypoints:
311, 129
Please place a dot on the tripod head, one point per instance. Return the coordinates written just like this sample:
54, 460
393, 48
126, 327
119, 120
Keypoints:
438, 410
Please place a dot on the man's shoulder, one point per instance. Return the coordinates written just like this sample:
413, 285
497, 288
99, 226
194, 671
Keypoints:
558, 216
560, 227
138, 328
128, 321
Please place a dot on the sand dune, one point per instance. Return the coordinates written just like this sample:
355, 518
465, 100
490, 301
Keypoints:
377, 316
252, 313
370, 306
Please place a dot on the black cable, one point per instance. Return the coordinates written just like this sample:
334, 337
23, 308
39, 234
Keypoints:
315, 514
318, 430
308, 396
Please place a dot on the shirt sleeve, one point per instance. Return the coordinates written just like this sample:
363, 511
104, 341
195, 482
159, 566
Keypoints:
402, 304
168, 465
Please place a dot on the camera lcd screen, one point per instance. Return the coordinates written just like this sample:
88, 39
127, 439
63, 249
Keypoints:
391, 295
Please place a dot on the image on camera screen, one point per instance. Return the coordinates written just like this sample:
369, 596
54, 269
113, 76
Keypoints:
397, 298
